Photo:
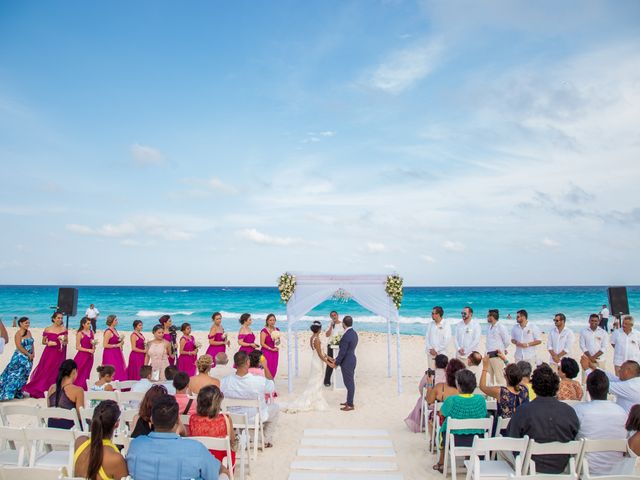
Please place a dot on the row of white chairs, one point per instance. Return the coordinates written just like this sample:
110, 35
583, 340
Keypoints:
504, 456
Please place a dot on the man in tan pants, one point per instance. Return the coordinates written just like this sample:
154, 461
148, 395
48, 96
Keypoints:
498, 340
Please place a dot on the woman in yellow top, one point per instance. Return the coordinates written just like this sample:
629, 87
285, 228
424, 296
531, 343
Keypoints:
97, 458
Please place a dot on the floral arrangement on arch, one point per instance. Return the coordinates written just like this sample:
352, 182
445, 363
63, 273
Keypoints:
286, 285
394, 289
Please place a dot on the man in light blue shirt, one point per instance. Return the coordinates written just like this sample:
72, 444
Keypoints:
164, 454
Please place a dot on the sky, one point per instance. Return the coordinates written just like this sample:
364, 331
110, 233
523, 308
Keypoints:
223, 143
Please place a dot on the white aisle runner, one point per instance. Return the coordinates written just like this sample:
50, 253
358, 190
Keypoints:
340, 454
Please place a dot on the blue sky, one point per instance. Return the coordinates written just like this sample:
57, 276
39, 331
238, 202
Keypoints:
210, 143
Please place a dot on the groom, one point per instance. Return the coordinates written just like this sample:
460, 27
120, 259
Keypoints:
347, 360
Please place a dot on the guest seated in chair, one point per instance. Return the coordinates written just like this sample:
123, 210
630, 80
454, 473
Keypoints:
570, 389
164, 454
64, 394
97, 457
465, 405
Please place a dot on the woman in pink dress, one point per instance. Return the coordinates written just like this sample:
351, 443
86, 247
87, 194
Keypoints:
218, 341
270, 342
86, 349
246, 337
112, 355
188, 351
54, 338
158, 354
138, 351
169, 334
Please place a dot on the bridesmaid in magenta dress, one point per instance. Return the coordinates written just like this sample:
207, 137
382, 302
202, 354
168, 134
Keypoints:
170, 336
269, 344
188, 351
112, 354
86, 349
138, 351
218, 341
55, 352
246, 337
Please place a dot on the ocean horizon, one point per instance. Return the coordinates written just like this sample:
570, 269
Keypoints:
195, 304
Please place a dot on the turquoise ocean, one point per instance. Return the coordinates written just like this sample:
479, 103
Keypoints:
196, 304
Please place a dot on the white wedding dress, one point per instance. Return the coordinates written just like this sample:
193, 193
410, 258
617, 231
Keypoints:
312, 398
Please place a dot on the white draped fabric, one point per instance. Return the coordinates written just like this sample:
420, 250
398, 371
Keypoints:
368, 290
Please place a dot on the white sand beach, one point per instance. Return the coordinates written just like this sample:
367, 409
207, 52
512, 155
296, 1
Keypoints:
378, 406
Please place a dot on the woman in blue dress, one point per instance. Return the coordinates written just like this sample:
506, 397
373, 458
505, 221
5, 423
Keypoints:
16, 374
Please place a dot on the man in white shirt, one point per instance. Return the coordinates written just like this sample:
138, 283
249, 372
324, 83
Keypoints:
560, 342
593, 340
467, 337
604, 318
331, 333
600, 420
526, 338
243, 385
626, 388
4, 336
437, 337
626, 343
92, 314
497, 342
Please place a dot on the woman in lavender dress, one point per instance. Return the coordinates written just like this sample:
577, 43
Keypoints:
169, 335
270, 341
218, 341
112, 355
138, 351
246, 337
86, 349
188, 351
54, 338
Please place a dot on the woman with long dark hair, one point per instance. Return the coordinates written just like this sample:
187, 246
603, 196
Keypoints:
170, 335
142, 421
138, 351
64, 394
270, 343
218, 341
16, 374
54, 339
112, 353
86, 348
97, 458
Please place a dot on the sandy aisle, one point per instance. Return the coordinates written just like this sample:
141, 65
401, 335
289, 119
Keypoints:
377, 403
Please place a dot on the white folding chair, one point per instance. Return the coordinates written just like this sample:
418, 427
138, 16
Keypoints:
218, 443
86, 414
594, 446
435, 428
44, 414
9, 410
573, 449
450, 450
234, 405
123, 384
243, 454
126, 419
492, 406
93, 397
495, 469
42, 441
543, 476
30, 473
423, 411
128, 400
502, 424
12, 446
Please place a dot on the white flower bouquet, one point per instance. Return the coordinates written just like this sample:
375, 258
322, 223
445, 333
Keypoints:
198, 345
275, 335
336, 340
394, 289
94, 342
286, 285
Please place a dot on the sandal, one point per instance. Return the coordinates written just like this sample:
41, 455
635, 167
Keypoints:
439, 467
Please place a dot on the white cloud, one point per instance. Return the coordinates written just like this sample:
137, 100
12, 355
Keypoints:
453, 246
145, 155
376, 247
404, 68
428, 258
261, 238
217, 184
390, 266
327, 133
550, 243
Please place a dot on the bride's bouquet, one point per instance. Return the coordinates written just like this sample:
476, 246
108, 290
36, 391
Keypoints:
336, 340
275, 335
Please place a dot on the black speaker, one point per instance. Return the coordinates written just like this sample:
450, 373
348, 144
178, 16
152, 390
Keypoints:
618, 301
68, 301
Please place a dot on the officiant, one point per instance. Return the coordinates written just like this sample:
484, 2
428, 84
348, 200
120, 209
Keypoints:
333, 330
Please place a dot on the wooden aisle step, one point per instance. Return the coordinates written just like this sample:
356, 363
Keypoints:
344, 476
344, 465
358, 442
338, 432
346, 452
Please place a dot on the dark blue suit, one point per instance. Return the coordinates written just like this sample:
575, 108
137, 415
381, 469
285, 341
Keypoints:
347, 361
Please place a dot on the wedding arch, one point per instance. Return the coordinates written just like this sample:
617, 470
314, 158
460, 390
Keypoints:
381, 294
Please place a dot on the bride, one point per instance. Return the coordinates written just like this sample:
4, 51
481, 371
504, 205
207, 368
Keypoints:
312, 398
